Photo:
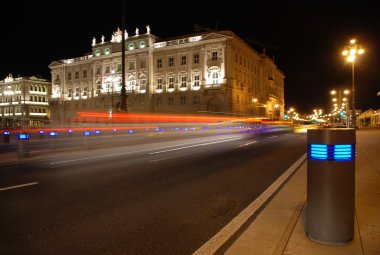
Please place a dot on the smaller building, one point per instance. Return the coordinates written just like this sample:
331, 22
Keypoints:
369, 118
24, 102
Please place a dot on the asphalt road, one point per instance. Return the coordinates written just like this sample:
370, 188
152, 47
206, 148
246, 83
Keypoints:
160, 196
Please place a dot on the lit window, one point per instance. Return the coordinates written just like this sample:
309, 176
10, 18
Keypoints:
159, 83
215, 78
183, 81
196, 80
132, 84
171, 82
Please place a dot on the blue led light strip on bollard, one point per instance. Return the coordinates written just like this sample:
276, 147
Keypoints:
318, 151
343, 152
337, 152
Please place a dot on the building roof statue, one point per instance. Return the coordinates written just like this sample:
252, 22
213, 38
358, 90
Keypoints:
148, 29
137, 31
93, 41
116, 36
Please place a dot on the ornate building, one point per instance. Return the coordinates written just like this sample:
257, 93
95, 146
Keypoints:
215, 72
24, 102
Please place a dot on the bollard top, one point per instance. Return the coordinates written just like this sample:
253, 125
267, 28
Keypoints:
331, 136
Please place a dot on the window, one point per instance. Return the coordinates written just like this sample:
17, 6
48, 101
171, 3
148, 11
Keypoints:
142, 63
214, 55
158, 101
132, 84
70, 94
131, 65
77, 91
159, 83
143, 83
84, 73
183, 99
98, 88
196, 58
183, 60
57, 77
196, 80
183, 81
118, 67
107, 69
85, 91
196, 99
215, 78
170, 101
171, 61
69, 76
171, 82
98, 70
159, 62
76, 75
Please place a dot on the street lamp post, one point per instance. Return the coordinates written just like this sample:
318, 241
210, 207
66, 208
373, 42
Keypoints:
256, 108
340, 103
123, 91
351, 51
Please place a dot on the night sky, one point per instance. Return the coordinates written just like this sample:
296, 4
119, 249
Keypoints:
305, 41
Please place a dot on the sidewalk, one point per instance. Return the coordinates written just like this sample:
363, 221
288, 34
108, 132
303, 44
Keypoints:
281, 226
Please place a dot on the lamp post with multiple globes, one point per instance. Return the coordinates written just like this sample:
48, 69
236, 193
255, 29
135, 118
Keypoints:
350, 51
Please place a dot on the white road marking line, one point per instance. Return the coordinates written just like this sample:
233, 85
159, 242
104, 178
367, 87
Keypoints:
195, 145
19, 186
270, 137
212, 245
160, 159
94, 157
246, 144
130, 152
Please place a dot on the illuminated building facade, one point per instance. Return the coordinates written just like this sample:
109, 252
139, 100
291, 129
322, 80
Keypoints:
24, 102
210, 72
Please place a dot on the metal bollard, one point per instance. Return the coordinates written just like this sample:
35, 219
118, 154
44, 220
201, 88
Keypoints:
23, 145
6, 136
331, 185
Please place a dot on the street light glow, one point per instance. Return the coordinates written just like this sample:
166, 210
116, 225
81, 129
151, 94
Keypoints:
354, 49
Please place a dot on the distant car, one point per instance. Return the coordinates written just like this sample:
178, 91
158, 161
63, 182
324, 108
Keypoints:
302, 128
